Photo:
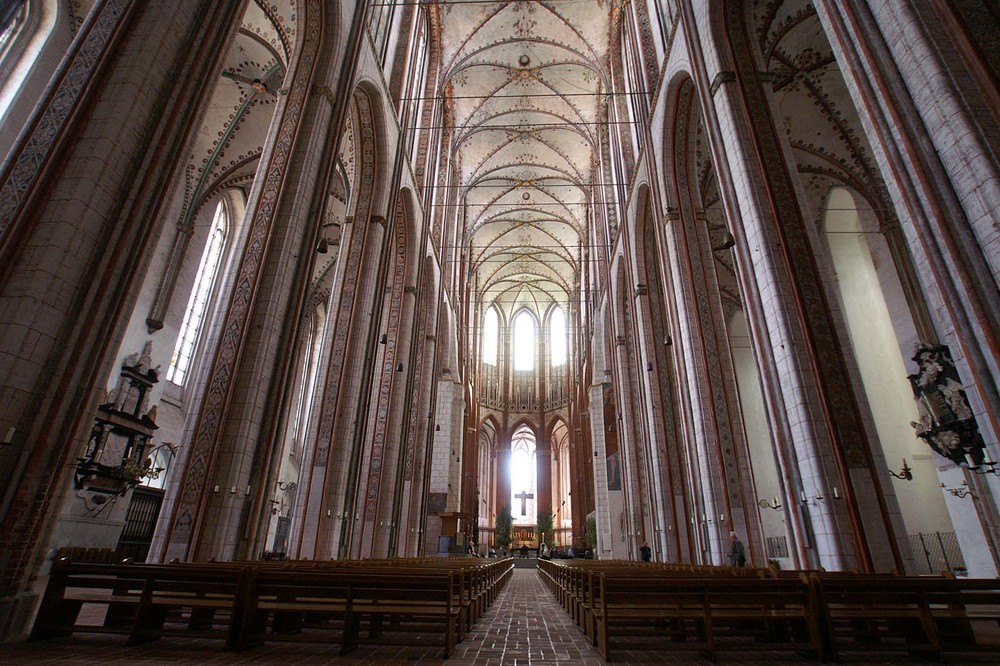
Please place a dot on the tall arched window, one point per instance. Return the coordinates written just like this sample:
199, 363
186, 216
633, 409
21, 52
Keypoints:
557, 336
12, 18
417, 81
524, 341
306, 381
381, 24
523, 482
491, 336
632, 80
194, 314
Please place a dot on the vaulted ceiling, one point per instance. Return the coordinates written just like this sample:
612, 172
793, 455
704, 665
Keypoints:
525, 80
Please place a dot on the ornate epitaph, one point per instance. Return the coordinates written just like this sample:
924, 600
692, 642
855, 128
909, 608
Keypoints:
946, 422
115, 460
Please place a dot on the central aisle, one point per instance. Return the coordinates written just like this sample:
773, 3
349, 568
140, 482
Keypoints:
525, 625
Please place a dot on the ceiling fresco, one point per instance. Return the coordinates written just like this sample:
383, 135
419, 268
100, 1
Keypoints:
525, 81
825, 133
229, 144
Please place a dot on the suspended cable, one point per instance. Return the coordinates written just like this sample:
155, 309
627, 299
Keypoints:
519, 127
520, 184
526, 95
417, 3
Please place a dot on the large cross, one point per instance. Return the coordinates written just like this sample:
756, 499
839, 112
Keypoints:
524, 496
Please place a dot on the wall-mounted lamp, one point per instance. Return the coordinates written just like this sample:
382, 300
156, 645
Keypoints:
649, 366
985, 467
437, 427
770, 504
962, 491
804, 499
215, 490
323, 246
905, 472
384, 339
8, 439
667, 341
399, 367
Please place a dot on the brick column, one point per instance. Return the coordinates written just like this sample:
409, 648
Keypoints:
92, 167
812, 405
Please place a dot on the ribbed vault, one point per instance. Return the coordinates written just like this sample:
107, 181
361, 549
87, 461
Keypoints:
524, 81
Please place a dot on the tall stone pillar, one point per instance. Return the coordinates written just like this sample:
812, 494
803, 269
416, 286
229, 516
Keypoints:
812, 404
923, 78
90, 170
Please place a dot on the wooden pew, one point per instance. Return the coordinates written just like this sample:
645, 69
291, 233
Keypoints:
923, 615
818, 613
247, 603
334, 605
139, 599
694, 612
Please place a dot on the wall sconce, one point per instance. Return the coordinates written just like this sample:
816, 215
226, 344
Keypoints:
323, 246
649, 366
905, 472
667, 341
772, 504
232, 490
8, 439
399, 367
986, 467
962, 491
384, 339
817, 497
215, 490
437, 427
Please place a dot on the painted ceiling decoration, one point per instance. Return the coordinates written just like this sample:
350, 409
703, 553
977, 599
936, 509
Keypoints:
229, 144
827, 138
525, 81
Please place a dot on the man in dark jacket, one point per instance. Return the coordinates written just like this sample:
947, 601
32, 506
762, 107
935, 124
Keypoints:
737, 553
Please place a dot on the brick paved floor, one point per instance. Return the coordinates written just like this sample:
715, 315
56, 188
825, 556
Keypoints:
525, 625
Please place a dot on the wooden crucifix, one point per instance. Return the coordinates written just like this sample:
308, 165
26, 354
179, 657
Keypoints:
524, 496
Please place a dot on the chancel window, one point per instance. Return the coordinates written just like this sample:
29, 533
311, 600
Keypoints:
491, 336
557, 337
522, 477
524, 341
197, 306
